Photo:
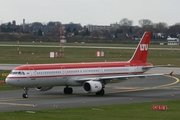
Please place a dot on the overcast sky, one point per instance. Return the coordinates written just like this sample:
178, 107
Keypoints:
96, 12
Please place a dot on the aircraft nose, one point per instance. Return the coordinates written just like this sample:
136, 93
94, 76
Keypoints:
9, 81
15, 82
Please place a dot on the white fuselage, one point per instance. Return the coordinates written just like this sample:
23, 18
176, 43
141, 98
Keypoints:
63, 76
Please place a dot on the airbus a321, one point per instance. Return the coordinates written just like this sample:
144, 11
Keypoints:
92, 76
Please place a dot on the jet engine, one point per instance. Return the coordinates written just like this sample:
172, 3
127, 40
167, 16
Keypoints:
43, 88
92, 86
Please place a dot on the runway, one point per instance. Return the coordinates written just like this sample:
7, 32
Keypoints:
84, 46
157, 88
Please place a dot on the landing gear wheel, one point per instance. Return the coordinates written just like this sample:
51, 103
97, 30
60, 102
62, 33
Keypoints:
100, 93
25, 95
68, 90
65, 90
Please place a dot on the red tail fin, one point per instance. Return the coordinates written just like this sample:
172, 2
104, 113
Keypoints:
140, 55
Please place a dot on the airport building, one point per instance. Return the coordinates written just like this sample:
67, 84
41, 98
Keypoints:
173, 41
97, 27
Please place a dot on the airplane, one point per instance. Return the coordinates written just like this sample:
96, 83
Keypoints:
92, 76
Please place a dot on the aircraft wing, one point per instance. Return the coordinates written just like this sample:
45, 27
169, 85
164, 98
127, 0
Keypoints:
118, 77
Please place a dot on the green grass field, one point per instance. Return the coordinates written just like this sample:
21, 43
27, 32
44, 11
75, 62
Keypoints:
41, 55
137, 111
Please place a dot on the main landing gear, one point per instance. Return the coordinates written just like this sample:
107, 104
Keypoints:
25, 94
100, 93
68, 90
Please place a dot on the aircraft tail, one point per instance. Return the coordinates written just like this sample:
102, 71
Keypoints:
141, 52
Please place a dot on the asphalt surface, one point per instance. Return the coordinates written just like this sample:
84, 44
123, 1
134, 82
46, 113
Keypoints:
157, 88
84, 46
8, 66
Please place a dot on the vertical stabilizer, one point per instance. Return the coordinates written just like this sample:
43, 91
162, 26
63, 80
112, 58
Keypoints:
140, 54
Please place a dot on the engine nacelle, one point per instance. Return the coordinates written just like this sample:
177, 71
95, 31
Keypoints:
92, 86
43, 88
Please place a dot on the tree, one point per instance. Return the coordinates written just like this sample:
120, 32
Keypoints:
145, 22
68, 30
161, 27
130, 30
146, 25
125, 24
87, 33
37, 24
118, 31
75, 32
54, 23
173, 30
14, 22
40, 32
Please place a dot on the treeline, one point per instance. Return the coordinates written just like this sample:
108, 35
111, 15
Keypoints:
74, 39
124, 30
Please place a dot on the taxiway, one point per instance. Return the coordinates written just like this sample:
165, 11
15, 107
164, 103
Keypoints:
157, 88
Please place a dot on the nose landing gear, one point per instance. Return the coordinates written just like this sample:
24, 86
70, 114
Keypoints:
25, 94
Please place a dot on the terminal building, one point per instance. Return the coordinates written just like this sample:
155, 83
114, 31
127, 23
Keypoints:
172, 41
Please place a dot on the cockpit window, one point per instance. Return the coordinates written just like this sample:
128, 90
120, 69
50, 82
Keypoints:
17, 73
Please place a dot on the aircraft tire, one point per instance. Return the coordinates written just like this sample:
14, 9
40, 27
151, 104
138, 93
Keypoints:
25, 95
100, 93
65, 90
68, 90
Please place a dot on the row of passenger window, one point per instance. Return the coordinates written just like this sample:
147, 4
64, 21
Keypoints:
49, 72
110, 70
68, 71
72, 71
82, 71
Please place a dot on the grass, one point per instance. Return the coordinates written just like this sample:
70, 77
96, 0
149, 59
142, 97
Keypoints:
41, 55
136, 111
4, 87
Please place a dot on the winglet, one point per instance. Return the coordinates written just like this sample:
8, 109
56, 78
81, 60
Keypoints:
171, 73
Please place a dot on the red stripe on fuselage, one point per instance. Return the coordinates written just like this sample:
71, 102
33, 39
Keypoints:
79, 65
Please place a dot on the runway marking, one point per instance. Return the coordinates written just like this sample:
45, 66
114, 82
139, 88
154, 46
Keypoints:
37, 98
148, 88
177, 80
16, 104
11, 99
